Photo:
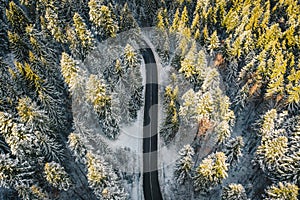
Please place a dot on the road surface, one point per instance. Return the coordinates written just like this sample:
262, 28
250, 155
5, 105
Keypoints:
150, 174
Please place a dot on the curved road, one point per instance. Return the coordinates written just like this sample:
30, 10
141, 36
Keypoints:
150, 174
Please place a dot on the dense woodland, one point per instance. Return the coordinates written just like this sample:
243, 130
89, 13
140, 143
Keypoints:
234, 65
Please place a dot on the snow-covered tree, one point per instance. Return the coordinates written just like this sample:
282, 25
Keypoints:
18, 175
170, 125
69, 70
98, 96
18, 46
283, 191
103, 180
162, 21
276, 154
17, 18
96, 93
53, 24
102, 19
213, 42
3, 29
79, 37
234, 192
184, 164
77, 147
126, 19
56, 175
83, 34
133, 69
211, 171
234, 149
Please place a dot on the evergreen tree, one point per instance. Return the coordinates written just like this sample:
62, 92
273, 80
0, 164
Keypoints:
188, 67
234, 192
124, 99
79, 38
175, 24
213, 42
170, 125
69, 70
17, 18
284, 191
103, 20
132, 66
161, 23
234, 149
211, 171
187, 109
39, 122
77, 147
16, 175
184, 164
126, 19
293, 89
3, 29
18, 46
56, 176
96, 94
276, 154
103, 180
54, 25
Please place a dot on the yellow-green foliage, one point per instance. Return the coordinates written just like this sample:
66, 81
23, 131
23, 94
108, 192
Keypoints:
56, 175
237, 28
284, 191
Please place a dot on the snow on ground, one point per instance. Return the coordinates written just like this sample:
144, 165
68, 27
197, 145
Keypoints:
128, 149
167, 154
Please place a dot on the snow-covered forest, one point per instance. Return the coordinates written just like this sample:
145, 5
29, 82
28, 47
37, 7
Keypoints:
72, 98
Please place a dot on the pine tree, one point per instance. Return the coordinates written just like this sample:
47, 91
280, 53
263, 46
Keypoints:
3, 29
272, 150
176, 21
132, 66
103, 180
79, 37
184, 20
223, 132
268, 122
211, 171
18, 46
124, 103
184, 164
213, 42
96, 94
170, 125
55, 174
204, 106
160, 24
103, 20
234, 192
234, 149
40, 123
293, 89
188, 67
276, 154
17, 175
126, 19
53, 24
195, 27
69, 70
211, 80
77, 147
187, 109
284, 191
17, 18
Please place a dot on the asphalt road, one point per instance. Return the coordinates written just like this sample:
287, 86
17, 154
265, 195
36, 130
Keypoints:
150, 174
